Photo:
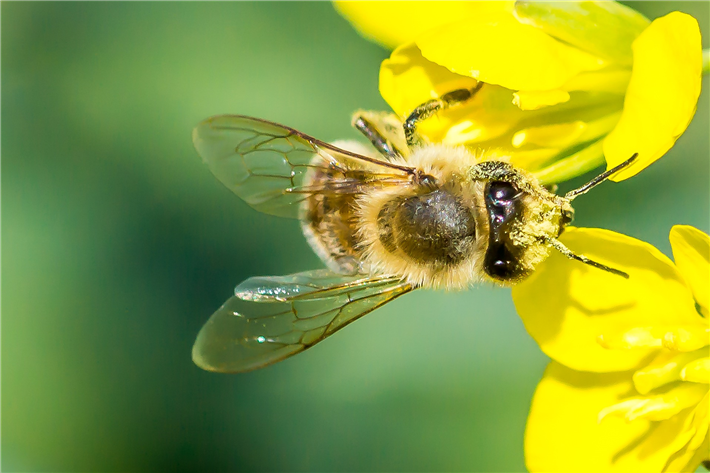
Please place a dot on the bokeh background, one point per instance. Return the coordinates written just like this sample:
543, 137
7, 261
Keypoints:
118, 243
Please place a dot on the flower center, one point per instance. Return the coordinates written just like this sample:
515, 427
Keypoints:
677, 378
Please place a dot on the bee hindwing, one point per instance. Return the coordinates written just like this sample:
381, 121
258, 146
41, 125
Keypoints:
272, 318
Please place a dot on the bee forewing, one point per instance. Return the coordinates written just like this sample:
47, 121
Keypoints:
257, 160
265, 163
272, 318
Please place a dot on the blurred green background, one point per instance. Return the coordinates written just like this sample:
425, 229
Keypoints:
118, 243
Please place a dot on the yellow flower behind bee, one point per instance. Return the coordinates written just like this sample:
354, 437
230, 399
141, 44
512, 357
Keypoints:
627, 389
567, 83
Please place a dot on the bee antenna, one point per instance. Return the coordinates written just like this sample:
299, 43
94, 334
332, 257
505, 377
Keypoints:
599, 179
559, 246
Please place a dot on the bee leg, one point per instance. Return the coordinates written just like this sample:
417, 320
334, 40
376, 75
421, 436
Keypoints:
427, 109
559, 246
378, 140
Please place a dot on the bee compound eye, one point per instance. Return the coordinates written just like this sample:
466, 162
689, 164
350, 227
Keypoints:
500, 262
502, 194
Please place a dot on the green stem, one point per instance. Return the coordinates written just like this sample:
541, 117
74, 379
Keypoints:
706, 61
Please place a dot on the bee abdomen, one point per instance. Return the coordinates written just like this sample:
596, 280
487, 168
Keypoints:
329, 224
432, 229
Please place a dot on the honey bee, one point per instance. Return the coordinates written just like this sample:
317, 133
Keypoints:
406, 214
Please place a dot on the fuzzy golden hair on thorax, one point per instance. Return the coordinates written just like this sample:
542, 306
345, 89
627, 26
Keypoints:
432, 236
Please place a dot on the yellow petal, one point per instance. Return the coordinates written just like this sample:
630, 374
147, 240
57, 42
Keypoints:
614, 81
497, 49
605, 29
701, 424
533, 100
533, 158
657, 407
666, 368
637, 337
679, 338
558, 134
563, 434
563, 135
407, 80
697, 371
691, 252
662, 94
689, 460
688, 337
395, 23
692, 442
565, 305
577, 164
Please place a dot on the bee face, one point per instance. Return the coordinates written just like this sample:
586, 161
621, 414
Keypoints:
522, 217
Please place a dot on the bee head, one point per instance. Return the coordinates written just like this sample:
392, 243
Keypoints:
522, 216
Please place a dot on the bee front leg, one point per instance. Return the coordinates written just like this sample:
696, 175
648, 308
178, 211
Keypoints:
427, 109
378, 139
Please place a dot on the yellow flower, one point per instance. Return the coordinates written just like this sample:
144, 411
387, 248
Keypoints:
627, 389
566, 83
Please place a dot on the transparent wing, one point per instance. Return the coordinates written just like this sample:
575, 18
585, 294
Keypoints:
266, 164
271, 318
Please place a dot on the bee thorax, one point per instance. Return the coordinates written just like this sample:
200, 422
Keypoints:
430, 237
435, 228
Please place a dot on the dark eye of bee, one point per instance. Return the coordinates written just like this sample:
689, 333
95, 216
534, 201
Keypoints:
500, 199
501, 194
503, 204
